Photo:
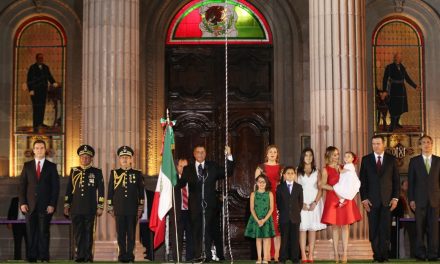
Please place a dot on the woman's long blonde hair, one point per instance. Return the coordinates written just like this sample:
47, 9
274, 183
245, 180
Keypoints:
328, 154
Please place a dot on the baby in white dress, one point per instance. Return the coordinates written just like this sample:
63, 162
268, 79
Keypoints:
348, 185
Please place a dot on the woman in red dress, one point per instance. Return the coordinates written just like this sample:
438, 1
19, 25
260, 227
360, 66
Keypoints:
340, 217
272, 169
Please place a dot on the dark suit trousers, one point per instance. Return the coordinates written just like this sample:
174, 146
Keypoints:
38, 106
289, 242
379, 219
126, 228
146, 237
427, 223
217, 236
184, 228
19, 232
197, 222
83, 229
37, 228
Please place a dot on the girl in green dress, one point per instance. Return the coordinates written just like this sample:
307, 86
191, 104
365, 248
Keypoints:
260, 224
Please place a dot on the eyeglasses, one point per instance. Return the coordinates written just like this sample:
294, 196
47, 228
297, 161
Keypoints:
261, 182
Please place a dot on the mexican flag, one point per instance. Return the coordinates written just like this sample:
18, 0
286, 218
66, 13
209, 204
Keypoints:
162, 202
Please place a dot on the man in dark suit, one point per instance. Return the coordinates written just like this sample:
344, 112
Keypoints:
18, 229
380, 187
201, 177
289, 203
424, 198
81, 203
38, 79
145, 234
394, 79
39, 189
182, 216
126, 202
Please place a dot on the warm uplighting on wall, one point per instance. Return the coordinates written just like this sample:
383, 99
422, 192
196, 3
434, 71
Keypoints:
71, 159
4, 166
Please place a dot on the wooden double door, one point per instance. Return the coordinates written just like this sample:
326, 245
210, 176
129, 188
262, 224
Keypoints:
195, 94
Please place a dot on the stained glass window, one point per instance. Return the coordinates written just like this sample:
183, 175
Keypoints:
209, 21
398, 97
39, 70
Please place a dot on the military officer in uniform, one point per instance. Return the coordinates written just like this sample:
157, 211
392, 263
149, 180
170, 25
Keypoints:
126, 202
81, 203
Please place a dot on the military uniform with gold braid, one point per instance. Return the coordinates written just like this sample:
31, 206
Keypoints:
126, 200
84, 195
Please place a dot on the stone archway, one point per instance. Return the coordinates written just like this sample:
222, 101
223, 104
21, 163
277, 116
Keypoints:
290, 66
291, 97
429, 22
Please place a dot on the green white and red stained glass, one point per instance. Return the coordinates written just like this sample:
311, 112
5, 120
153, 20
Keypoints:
207, 22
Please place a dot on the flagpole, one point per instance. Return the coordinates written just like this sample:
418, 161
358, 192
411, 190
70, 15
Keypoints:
174, 205
175, 227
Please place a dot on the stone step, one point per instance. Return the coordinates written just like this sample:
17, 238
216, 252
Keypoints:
357, 249
108, 251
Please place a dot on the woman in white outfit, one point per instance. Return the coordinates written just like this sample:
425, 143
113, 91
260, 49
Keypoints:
309, 177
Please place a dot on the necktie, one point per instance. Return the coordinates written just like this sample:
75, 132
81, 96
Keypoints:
184, 198
427, 165
200, 171
38, 170
290, 187
378, 163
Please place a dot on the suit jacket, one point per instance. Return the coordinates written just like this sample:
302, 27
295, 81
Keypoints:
424, 188
82, 187
289, 204
125, 191
13, 209
149, 201
178, 198
213, 173
39, 194
38, 79
379, 186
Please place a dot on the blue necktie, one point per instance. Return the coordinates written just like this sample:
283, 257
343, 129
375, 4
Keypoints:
290, 188
200, 171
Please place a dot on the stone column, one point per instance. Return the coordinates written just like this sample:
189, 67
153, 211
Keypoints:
337, 76
110, 90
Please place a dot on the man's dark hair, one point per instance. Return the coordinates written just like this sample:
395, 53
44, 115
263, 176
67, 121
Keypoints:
378, 136
182, 158
199, 146
39, 141
38, 54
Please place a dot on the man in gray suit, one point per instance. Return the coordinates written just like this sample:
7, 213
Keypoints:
424, 198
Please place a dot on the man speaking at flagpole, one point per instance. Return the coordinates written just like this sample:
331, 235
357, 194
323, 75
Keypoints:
201, 177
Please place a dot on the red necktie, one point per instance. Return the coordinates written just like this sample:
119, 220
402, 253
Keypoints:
378, 163
184, 198
38, 170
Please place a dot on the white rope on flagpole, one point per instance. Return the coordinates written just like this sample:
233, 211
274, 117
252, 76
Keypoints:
226, 197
